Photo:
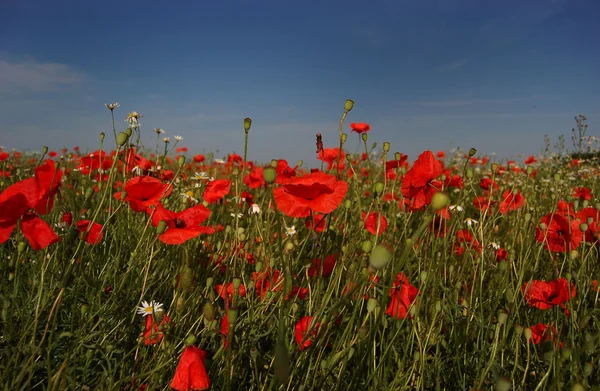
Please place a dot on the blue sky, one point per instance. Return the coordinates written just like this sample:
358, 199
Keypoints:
425, 74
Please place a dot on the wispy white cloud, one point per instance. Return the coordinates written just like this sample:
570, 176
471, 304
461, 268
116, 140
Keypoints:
455, 65
33, 76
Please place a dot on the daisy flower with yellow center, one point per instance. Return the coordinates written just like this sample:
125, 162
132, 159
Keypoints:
149, 308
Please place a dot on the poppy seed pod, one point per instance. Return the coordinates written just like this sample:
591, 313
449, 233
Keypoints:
502, 317
348, 105
269, 175
397, 156
380, 256
190, 340
529, 170
386, 147
209, 312
495, 167
161, 226
44, 150
378, 188
247, 124
371, 304
364, 137
181, 161
122, 139
527, 333
472, 152
439, 201
344, 137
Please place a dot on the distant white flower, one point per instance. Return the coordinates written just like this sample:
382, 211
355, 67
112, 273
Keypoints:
290, 231
470, 222
137, 171
495, 245
239, 215
219, 161
457, 208
178, 138
112, 106
149, 308
159, 130
189, 197
254, 209
133, 119
166, 140
198, 176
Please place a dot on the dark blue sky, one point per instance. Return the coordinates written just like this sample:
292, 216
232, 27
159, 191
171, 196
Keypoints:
425, 74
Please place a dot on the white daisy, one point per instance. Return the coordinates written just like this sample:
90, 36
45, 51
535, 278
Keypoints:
471, 222
239, 215
254, 209
200, 176
457, 208
146, 308
290, 231
112, 106
178, 138
219, 161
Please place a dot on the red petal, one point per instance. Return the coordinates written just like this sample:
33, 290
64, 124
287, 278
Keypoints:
37, 231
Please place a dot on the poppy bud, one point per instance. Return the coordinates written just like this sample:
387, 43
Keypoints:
386, 147
502, 317
578, 387
344, 137
585, 203
123, 195
529, 170
269, 175
160, 228
232, 315
348, 105
397, 156
122, 139
543, 226
380, 256
374, 145
367, 245
89, 192
190, 340
364, 137
21, 248
378, 188
557, 178
300, 163
347, 204
187, 278
44, 150
423, 276
527, 216
236, 171
363, 332
469, 173
439, 201
181, 161
247, 124
84, 309
494, 168
209, 282
236, 283
472, 152
527, 333
576, 204
416, 356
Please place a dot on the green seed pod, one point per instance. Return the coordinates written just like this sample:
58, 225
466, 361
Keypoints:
84, 309
247, 124
269, 174
578, 387
44, 150
543, 226
102, 136
472, 152
122, 139
423, 276
557, 178
236, 283
397, 156
181, 161
364, 137
527, 333
348, 105
89, 192
527, 216
289, 246
416, 356
380, 256
585, 203
439, 201
367, 246
232, 316
438, 306
89, 354
236, 171
386, 147
378, 188
344, 137
186, 281
371, 304
363, 332
503, 266
503, 384
209, 282
495, 167
518, 330
583, 227
565, 353
347, 204
529, 170
469, 173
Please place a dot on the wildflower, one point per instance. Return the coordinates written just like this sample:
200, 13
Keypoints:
153, 333
191, 372
545, 295
318, 192
198, 176
219, 161
178, 138
254, 209
216, 190
419, 183
360, 127
370, 222
495, 246
560, 235
112, 106
403, 295
303, 339
470, 222
153, 307
166, 140
239, 215
144, 191
94, 235
328, 264
158, 130
511, 200
457, 208
290, 231
184, 225
133, 119
189, 196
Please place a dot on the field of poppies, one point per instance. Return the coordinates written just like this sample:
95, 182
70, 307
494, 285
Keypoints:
133, 268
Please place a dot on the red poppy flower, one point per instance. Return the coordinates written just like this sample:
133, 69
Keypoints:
217, 189
370, 222
37, 232
198, 158
530, 160
317, 222
284, 171
303, 339
4, 156
560, 235
541, 332
255, 178
403, 295
226, 292
318, 192
590, 216
360, 127
328, 266
47, 179
419, 184
153, 332
545, 295
487, 184
184, 225
583, 193
143, 192
483, 203
270, 280
331, 156
191, 372
95, 235
511, 200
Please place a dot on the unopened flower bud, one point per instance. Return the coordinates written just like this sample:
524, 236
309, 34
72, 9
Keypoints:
557, 177
344, 137
367, 246
380, 256
527, 333
190, 340
89, 192
439, 201
386, 147
583, 227
21, 248
347, 204
529, 170
472, 152
160, 228
495, 167
543, 226
122, 139
180, 161
469, 173
232, 315
518, 330
378, 188
44, 150
364, 137
527, 216
269, 174
502, 317
371, 304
